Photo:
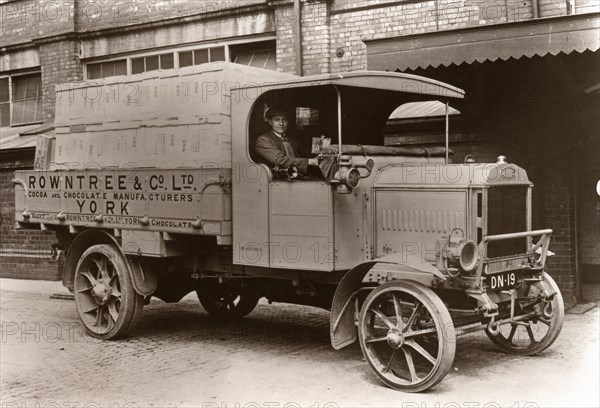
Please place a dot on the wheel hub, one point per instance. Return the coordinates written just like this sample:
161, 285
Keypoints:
101, 292
394, 338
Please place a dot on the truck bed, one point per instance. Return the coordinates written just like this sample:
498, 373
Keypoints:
186, 201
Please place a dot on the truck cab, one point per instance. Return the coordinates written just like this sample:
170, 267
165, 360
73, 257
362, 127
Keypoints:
321, 223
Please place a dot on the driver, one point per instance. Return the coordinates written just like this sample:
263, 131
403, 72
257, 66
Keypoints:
275, 148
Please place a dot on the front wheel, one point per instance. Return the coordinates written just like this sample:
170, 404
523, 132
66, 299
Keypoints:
407, 336
107, 304
539, 330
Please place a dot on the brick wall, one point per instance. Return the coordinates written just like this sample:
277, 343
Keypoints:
315, 38
354, 21
60, 64
22, 21
24, 254
559, 211
329, 27
99, 14
284, 20
570, 145
587, 154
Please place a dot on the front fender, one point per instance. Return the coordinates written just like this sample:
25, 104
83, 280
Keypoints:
342, 328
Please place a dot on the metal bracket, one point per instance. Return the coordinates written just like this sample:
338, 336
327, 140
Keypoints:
490, 309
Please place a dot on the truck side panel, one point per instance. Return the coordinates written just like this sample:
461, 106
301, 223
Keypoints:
301, 225
189, 201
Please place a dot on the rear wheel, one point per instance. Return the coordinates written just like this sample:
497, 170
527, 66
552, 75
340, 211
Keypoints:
107, 304
228, 301
407, 336
540, 330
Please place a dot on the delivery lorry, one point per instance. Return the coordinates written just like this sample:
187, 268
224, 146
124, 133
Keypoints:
154, 189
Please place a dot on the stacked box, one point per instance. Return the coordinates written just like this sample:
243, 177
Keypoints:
162, 119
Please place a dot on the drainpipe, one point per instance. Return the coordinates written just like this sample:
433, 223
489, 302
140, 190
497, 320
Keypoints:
339, 118
447, 133
298, 45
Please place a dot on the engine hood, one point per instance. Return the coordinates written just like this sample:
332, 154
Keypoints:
450, 175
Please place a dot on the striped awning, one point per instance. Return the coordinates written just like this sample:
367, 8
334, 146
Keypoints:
486, 43
426, 109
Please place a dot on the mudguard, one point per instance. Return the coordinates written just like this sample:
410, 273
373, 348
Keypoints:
144, 281
342, 329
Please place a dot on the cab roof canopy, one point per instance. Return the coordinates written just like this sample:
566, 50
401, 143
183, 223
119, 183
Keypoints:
367, 99
382, 80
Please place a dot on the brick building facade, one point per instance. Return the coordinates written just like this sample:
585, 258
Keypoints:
24, 254
64, 41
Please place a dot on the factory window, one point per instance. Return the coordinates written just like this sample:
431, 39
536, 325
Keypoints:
4, 103
21, 99
258, 54
152, 63
27, 99
254, 53
201, 56
107, 69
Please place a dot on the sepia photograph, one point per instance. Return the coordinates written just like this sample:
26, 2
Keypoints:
299, 203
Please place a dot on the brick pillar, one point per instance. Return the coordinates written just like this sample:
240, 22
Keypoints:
60, 63
559, 211
316, 38
284, 23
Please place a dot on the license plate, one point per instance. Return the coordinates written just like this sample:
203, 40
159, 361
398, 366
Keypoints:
502, 280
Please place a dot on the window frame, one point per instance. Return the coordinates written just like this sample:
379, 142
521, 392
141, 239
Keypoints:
8, 101
101, 66
39, 99
175, 52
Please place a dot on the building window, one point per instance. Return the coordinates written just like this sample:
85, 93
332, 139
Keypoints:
107, 69
259, 54
217, 54
201, 56
21, 100
4, 103
167, 61
152, 63
27, 99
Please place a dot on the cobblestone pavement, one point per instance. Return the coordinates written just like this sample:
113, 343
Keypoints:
278, 356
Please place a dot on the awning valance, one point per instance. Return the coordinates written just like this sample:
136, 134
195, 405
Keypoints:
487, 43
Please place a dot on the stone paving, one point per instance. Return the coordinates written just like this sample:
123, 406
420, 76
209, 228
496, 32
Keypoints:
279, 356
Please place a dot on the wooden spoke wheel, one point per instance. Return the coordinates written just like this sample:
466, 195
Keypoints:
228, 301
107, 304
407, 336
538, 332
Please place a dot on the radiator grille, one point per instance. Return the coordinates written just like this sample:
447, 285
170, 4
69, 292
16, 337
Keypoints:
507, 212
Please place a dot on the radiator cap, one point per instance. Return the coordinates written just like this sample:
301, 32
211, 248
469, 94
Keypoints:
501, 159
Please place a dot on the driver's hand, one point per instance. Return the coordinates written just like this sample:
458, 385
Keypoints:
313, 161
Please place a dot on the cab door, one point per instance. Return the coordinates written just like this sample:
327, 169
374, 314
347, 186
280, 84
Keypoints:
301, 225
